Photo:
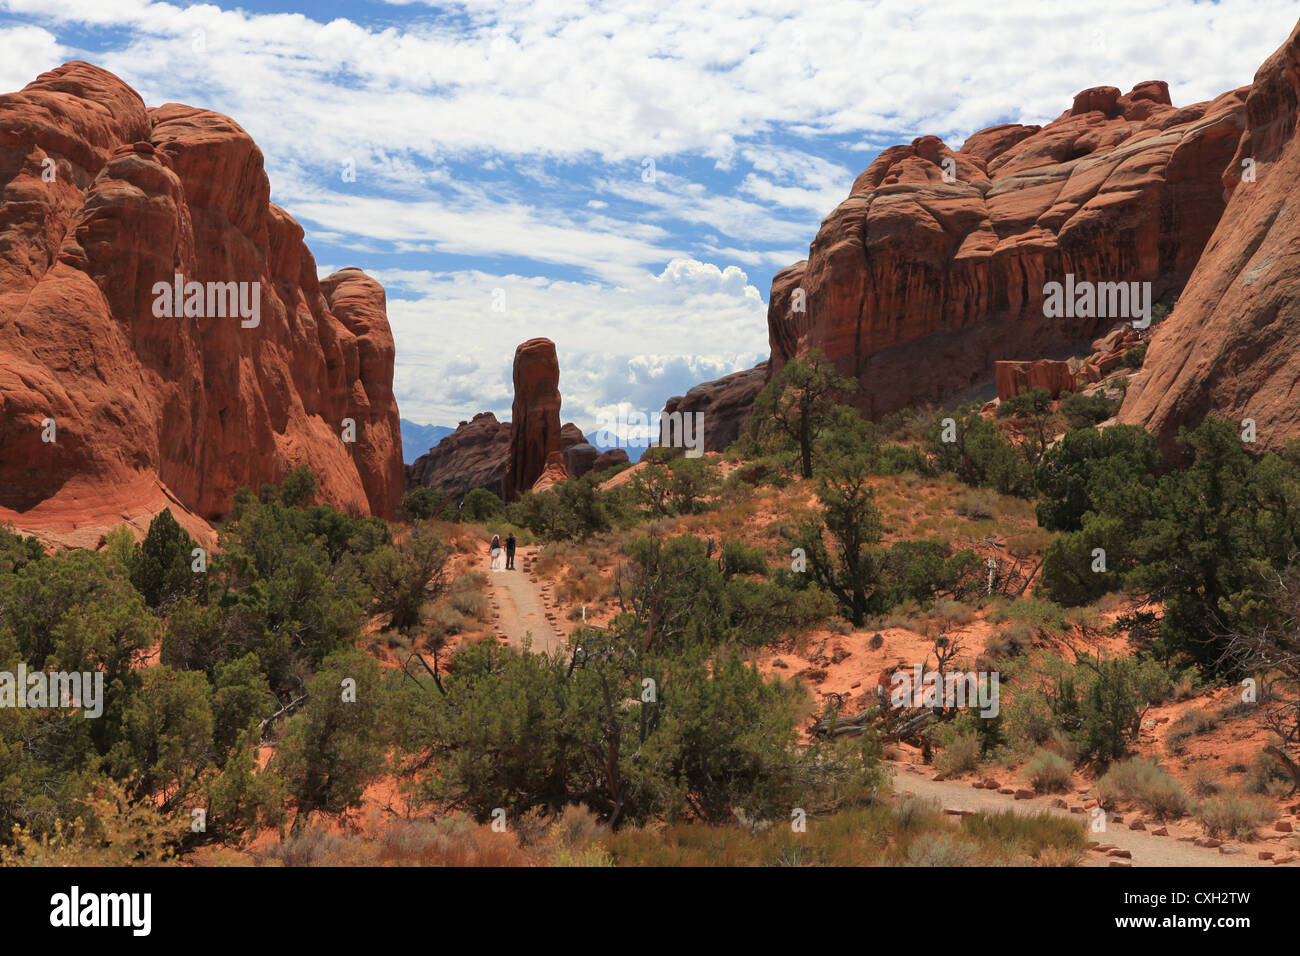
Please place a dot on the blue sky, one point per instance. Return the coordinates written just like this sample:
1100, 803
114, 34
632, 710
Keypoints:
502, 150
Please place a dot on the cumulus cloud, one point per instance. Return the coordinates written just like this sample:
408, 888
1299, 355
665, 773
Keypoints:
499, 147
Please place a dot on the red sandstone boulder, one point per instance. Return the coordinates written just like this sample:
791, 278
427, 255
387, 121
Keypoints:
579, 455
1231, 347
570, 435
580, 458
553, 473
1016, 377
102, 200
535, 415
933, 268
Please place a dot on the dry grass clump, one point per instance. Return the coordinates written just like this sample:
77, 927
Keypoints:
1142, 782
1236, 815
1049, 772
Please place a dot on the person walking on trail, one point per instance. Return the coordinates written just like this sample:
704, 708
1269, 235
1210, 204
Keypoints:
510, 551
497, 553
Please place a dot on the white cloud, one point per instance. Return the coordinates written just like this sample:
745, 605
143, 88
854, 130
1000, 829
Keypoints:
640, 343
510, 133
28, 52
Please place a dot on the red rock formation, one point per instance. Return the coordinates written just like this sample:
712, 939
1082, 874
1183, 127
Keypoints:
553, 473
535, 415
473, 456
934, 266
1070, 376
611, 458
570, 435
725, 404
579, 459
1015, 377
103, 198
1231, 347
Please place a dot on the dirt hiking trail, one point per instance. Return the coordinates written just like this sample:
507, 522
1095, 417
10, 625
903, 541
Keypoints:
518, 608
1146, 849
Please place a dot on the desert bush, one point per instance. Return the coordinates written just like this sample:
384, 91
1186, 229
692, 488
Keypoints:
960, 753
1196, 721
1014, 640
424, 503
1235, 815
1205, 784
568, 511
1049, 772
953, 613
1142, 782
1063, 744
979, 455
917, 813
447, 620
924, 570
680, 486
1084, 411
481, 505
1265, 776
403, 577
584, 584
1135, 356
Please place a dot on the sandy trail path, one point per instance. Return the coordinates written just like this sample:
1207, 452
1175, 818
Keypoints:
1147, 850
518, 607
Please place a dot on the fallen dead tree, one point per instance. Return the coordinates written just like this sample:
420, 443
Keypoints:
894, 724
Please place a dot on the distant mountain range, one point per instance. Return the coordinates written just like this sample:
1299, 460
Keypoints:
417, 439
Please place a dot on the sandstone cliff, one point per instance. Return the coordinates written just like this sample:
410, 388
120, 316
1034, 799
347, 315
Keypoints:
933, 268
1231, 347
104, 203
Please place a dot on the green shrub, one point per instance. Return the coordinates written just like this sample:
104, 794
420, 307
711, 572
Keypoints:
481, 506
960, 752
161, 569
425, 503
1084, 411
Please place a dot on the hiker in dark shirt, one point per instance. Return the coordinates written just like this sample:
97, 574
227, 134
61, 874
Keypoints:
510, 551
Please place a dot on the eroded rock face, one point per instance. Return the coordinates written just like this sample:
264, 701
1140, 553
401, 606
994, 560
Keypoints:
535, 415
1015, 377
473, 456
102, 200
1231, 347
725, 404
579, 459
610, 458
934, 267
